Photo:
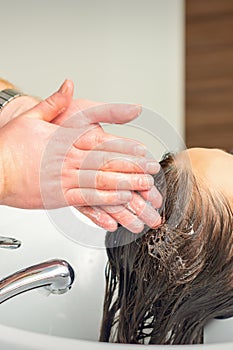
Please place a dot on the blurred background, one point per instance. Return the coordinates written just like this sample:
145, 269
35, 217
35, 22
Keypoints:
209, 73
173, 56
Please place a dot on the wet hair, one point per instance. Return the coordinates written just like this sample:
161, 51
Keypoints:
163, 286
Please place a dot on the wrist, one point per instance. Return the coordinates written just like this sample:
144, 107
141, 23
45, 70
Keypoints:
15, 107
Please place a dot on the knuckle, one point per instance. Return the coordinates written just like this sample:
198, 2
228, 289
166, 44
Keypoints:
80, 159
100, 181
75, 198
108, 198
105, 160
138, 203
95, 139
85, 197
51, 102
124, 216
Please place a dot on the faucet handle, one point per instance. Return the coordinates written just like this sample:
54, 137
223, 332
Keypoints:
9, 243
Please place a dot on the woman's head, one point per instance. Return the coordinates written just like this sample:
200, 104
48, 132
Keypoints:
215, 168
164, 286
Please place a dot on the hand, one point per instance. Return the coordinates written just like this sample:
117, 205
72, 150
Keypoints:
16, 107
27, 142
139, 211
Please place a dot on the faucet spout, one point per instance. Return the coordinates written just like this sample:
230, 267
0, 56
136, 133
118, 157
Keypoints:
9, 242
57, 276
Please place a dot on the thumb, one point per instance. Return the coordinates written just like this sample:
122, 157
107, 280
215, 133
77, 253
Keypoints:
55, 104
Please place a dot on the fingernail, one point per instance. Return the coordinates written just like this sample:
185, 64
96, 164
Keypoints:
158, 222
152, 167
64, 88
139, 109
139, 150
153, 219
135, 108
110, 226
125, 196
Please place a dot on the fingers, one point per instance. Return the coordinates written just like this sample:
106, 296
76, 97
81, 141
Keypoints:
153, 196
111, 161
109, 180
112, 113
99, 217
97, 139
112, 143
135, 214
71, 118
125, 217
48, 109
144, 211
107, 216
91, 197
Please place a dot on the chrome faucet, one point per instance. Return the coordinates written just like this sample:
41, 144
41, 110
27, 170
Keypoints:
57, 276
9, 242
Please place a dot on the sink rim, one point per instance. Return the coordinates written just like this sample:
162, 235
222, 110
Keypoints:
25, 340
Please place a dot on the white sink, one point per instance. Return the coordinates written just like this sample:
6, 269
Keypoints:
34, 321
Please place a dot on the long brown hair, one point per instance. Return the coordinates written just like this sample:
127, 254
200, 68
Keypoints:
163, 287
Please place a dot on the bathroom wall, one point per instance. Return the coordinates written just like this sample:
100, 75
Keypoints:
121, 51
209, 73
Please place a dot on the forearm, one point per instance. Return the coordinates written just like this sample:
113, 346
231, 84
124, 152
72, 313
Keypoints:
16, 106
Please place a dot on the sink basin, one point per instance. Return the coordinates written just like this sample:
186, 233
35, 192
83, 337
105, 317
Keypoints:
36, 321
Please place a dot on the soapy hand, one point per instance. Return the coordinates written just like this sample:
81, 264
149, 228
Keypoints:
49, 165
85, 113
